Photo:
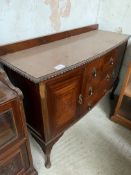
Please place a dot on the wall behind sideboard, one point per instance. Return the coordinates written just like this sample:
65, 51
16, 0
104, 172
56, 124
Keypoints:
25, 19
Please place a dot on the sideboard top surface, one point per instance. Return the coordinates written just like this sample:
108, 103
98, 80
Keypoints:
39, 63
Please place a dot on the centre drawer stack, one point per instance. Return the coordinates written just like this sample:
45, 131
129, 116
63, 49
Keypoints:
99, 76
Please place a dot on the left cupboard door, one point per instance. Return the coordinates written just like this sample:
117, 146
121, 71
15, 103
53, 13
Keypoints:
63, 101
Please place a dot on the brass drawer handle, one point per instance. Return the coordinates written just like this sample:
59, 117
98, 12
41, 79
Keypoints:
80, 100
94, 72
111, 61
89, 106
90, 91
107, 77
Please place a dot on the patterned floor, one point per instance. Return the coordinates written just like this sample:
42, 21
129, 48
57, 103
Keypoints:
93, 146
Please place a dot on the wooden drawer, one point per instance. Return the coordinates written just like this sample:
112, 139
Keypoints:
15, 162
109, 70
93, 72
109, 61
62, 99
99, 77
92, 78
11, 126
108, 79
94, 93
91, 100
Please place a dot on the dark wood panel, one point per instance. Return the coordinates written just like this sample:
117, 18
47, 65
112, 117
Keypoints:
11, 48
10, 124
62, 97
15, 155
16, 161
14, 165
31, 100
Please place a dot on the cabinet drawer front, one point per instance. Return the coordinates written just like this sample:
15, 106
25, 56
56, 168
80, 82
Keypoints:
109, 61
108, 79
11, 128
100, 75
93, 72
109, 69
15, 163
90, 101
63, 102
94, 93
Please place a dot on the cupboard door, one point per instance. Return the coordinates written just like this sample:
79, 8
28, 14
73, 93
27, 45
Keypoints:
11, 128
62, 97
7, 127
15, 162
13, 166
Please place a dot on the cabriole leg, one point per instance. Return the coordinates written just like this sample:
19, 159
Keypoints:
47, 152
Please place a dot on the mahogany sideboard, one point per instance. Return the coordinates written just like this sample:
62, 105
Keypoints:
15, 154
63, 77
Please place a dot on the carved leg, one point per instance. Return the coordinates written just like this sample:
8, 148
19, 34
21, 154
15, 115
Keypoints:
114, 88
46, 147
47, 151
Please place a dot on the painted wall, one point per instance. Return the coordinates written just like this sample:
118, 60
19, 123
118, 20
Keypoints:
115, 15
24, 19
